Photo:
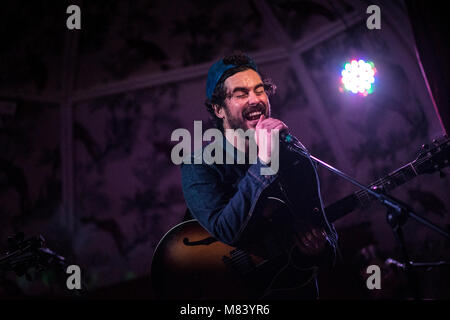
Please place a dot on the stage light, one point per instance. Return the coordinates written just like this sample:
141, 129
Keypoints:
358, 77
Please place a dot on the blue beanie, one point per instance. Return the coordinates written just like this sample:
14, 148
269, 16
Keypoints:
216, 71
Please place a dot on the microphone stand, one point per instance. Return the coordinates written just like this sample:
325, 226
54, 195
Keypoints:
397, 214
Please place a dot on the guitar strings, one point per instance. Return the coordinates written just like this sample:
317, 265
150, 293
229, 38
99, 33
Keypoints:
361, 194
240, 258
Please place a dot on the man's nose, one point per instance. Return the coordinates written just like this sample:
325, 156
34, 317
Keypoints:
253, 98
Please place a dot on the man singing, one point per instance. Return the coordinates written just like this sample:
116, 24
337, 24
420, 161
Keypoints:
277, 215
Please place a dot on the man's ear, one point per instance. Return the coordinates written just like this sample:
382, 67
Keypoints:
219, 111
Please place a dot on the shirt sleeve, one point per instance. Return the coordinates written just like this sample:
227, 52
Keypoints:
222, 214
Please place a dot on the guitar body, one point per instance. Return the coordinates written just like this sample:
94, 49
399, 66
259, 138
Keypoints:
188, 264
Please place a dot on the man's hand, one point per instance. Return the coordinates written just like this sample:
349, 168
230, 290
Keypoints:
264, 130
311, 242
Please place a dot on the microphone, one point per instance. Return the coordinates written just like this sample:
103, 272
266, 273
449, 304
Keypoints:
291, 140
286, 137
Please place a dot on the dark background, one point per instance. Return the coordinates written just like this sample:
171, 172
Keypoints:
86, 118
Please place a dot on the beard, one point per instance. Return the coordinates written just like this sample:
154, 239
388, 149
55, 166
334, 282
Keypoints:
240, 121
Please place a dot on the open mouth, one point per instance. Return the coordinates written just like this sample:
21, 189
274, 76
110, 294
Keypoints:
252, 115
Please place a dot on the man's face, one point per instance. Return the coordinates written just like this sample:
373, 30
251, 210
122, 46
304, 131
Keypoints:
246, 101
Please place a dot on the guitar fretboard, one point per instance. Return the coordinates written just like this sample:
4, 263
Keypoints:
388, 183
361, 198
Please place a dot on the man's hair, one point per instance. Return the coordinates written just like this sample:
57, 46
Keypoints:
241, 61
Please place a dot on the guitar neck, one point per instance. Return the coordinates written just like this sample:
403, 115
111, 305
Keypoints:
361, 198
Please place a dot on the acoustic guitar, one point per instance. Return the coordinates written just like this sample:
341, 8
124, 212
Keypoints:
189, 263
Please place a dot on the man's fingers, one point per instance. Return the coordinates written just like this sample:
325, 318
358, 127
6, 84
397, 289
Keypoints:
279, 127
319, 234
312, 241
264, 136
270, 123
305, 247
308, 242
261, 119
